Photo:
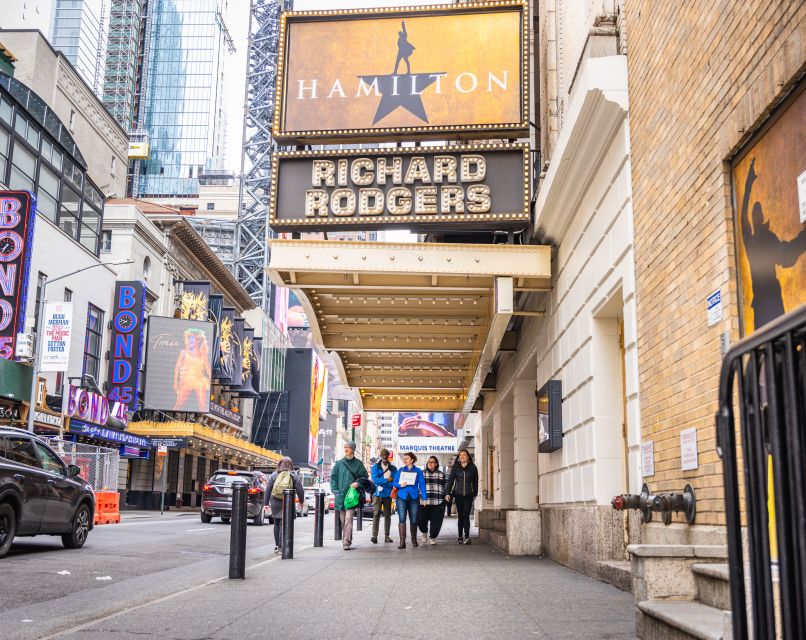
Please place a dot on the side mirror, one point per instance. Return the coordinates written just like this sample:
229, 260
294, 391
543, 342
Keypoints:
73, 471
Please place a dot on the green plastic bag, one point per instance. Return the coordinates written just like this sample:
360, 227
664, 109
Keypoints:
351, 499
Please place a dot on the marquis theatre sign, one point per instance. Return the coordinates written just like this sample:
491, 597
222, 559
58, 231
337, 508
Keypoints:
458, 70
479, 186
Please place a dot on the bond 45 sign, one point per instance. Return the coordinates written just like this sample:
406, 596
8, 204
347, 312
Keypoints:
125, 355
483, 186
17, 216
453, 70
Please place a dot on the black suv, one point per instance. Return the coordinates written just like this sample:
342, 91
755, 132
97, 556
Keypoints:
39, 493
217, 495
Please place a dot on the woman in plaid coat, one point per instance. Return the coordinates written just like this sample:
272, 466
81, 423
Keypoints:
433, 511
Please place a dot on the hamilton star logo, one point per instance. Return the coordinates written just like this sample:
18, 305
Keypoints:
402, 90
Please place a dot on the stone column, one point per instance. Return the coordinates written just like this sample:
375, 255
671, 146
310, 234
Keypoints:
524, 407
503, 435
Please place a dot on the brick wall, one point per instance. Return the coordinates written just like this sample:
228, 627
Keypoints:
703, 76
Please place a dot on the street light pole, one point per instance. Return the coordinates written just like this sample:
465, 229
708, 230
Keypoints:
37, 337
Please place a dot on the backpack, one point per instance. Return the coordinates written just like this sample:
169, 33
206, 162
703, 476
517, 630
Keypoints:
284, 480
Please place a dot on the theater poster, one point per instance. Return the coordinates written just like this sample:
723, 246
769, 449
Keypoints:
769, 182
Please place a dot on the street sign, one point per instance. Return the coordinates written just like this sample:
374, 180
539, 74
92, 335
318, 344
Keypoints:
24, 348
162, 450
356, 419
483, 186
434, 73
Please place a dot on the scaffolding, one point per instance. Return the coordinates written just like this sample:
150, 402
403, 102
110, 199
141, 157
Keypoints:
120, 72
251, 230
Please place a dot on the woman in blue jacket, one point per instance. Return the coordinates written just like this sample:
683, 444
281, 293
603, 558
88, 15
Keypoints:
409, 497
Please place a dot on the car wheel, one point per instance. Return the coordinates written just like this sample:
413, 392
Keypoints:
225, 519
77, 536
8, 527
258, 520
206, 517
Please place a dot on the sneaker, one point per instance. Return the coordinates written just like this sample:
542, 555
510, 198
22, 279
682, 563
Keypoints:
348, 548
468, 541
276, 549
432, 541
388, 539
461, 540
425, 538
374, 540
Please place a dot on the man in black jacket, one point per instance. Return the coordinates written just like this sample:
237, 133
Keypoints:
463, 486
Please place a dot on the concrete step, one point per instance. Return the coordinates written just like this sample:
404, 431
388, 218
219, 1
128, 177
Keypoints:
680, 620
500, 524
713, 584
616, 572
495, 539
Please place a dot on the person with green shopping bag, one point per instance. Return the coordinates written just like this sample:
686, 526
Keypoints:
345, 475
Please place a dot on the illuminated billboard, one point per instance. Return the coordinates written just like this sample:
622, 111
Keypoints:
125, 354
426, 424
318, 404
179, 363
438, 71
17, 217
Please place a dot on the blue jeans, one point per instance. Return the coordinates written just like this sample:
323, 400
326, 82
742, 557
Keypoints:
410, 506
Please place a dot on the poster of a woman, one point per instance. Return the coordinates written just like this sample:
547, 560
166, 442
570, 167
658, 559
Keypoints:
193, 373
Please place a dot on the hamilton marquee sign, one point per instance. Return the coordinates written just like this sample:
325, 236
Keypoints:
480, 186
455, 70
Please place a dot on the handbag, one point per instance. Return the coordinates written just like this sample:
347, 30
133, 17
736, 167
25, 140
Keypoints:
352, 498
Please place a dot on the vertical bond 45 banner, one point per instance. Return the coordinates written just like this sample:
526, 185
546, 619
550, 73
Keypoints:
413, 71
126, 353
179, 365
769, 182
17, 217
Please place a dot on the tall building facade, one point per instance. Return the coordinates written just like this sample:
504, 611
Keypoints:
124, 60
79, 31
182, 107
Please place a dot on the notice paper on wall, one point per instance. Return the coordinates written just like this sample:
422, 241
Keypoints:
648, 458
688, 449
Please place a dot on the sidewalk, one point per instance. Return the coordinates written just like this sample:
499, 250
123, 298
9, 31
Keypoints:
378, 591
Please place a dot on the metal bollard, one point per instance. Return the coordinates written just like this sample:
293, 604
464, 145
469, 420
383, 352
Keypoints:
289, 512
359, 517
237, 536
319, 520
337, 524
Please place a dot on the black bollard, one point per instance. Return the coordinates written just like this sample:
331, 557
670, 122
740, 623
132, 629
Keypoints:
359, 516
336, 524
319, 520
237, 536
289, 512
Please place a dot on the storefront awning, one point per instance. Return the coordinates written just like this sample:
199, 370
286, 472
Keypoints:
210, 441
413, 326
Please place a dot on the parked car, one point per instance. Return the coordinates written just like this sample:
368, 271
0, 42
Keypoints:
367, 509
310, 498
217, 495
40, 493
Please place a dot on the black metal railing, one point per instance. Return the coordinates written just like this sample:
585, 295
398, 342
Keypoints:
764, 377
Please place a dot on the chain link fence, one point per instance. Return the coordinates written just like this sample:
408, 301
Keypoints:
99, 465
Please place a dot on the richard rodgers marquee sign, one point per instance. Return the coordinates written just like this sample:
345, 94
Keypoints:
458, 70
483, 186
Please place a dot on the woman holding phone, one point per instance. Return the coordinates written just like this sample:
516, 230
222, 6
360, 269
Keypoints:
410, 487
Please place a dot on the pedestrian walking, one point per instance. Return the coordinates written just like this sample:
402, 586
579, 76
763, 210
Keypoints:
432, 512
282, 478
346, 473
410, 495
463, 487
383, 475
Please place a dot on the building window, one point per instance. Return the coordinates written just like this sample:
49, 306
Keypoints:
72, 122
93, 341
211, 206
113, 169
23, 168
41, 278
106, 241
47, 194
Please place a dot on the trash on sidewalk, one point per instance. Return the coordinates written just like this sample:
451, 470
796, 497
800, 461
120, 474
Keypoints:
63, 572
103, 577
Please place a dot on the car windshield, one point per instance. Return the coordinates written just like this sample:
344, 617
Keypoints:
227, 479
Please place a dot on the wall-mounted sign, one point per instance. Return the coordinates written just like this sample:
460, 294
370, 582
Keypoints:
479, 186
17, 217
51, 419
225, 413
106, 434
436, 72
427, 445
194, 303
93, 407
713, 304
170, 443
178, 365
647, 458
138, 151
126, 353
57, 323
689, 460
550, 417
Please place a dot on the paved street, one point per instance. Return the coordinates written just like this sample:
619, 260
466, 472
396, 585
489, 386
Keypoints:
165, 580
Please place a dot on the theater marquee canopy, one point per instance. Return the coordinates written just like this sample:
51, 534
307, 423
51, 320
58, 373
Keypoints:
477, 186
413, 327
422, 72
